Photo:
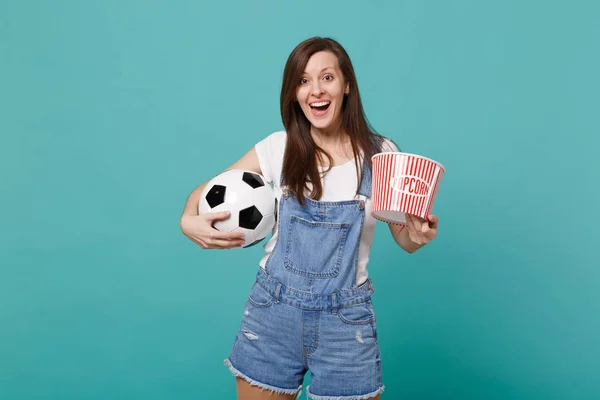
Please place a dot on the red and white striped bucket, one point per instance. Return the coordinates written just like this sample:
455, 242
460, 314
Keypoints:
404, 183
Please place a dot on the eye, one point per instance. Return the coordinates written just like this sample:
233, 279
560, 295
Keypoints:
328, 77
303, 81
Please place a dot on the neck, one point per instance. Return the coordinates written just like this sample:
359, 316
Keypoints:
326, 137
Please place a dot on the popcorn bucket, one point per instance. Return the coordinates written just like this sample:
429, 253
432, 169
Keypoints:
404, 183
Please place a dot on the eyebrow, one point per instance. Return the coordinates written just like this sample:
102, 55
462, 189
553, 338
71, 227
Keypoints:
326, 68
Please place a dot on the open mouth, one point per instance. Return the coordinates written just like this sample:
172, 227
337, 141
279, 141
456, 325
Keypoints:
320, 107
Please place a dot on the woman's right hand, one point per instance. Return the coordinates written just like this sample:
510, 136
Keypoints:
200, 230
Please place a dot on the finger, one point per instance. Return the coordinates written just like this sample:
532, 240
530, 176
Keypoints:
226, 244
433, 221
424, 225
217, 234
217, 216
425, 228
409, 222
411, 228
416, 235
416, 222
431, 235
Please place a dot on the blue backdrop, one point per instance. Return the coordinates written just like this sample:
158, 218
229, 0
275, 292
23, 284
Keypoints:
111, 112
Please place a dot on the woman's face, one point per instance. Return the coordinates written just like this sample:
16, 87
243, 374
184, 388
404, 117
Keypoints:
321, 90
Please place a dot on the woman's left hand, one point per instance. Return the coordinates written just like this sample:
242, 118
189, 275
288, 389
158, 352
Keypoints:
421, 231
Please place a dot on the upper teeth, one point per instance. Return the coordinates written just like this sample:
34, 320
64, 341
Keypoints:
320, 104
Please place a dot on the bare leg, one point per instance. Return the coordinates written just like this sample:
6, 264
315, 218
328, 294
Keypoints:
245, 391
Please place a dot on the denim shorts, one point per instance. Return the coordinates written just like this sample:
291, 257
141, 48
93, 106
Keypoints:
280, 339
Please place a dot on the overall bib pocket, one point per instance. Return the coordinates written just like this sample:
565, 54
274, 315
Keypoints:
314, 249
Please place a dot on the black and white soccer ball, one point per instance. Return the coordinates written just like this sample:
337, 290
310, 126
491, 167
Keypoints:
250, 199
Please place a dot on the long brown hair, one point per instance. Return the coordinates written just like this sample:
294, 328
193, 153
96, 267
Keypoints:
301, 152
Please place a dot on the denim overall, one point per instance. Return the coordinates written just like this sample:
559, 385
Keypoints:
305, 311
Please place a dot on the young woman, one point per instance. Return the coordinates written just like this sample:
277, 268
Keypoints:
310, 308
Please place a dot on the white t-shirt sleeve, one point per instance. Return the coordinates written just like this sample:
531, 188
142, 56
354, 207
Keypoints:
270, 156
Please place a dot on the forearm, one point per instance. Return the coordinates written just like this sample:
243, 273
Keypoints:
191, 205
401, 237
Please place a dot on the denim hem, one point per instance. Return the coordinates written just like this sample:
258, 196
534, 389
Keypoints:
356, 397
263, 386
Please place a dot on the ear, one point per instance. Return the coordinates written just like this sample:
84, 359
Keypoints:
347, 89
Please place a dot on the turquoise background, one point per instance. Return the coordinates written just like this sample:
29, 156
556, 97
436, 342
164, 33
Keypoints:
111, 112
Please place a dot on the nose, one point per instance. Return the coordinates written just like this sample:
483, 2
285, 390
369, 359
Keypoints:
317, 89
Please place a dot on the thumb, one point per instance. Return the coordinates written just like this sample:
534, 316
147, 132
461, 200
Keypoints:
216, 216
433, 220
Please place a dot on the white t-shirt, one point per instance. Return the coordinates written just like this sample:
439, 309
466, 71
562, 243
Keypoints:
339, 184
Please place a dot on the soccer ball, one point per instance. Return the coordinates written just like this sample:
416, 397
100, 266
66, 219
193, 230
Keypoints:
249, 198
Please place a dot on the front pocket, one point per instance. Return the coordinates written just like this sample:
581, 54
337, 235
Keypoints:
314, 249
259, 297
360, 314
